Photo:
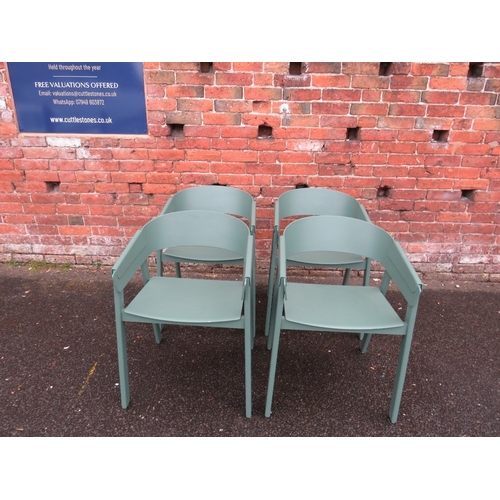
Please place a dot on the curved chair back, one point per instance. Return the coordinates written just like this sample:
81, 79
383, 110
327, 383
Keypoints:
178, 229
333, 233
223, 199
318, 201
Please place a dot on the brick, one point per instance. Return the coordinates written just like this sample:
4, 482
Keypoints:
261, 107
188, 166
260, 79
360, 68
199, 178
201, 155
236, 78
408, 82
318, 67
406, 96
333, 81
336, 94
481, 124
445, 111
161, 104
422, 69
482, 112
232, 106
238, 131
310, 94
159, 77
136, 166
461, 124
300, 169
263, 93
192, 143
223, 119
433, 123
256, 120
239, 156
301, 121
292, 108
369, 82
478, 98
396, 122
267, 146
492, 85
472, 149
248, 66
165, 154
440, 97
194, 78
194, 105
322, 108
230, 143
443, 195
229, 168
176, 91
371, 95
183, 117
435, 183
276, 67
407, 110
466, 136
287, 80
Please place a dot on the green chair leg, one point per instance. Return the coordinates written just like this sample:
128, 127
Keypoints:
399, 380
122, 363
365, 340
157, 332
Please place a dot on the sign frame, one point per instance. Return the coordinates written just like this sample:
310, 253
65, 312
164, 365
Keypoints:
106, 98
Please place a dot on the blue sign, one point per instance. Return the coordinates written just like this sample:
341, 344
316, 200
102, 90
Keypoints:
79, 98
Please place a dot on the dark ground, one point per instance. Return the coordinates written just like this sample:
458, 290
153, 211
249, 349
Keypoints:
59, 374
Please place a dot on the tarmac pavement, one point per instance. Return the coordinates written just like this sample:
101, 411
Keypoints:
59, 371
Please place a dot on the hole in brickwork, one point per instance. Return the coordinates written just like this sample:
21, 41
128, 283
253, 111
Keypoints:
206, 67
383, 191
385, 69
265, 131
218, 184
353, 134
440, 135
295, 68
176, 129
301, 186
52, 187
468, 194
475, 70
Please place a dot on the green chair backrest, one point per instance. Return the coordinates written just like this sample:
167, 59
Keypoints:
343, 234
223, 199
318, 201
185, 228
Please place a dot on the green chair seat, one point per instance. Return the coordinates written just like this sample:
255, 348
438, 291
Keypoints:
164, 300
200, 254
325, 259
340, 308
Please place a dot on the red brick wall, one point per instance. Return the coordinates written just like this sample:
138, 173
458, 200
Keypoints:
418, 146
